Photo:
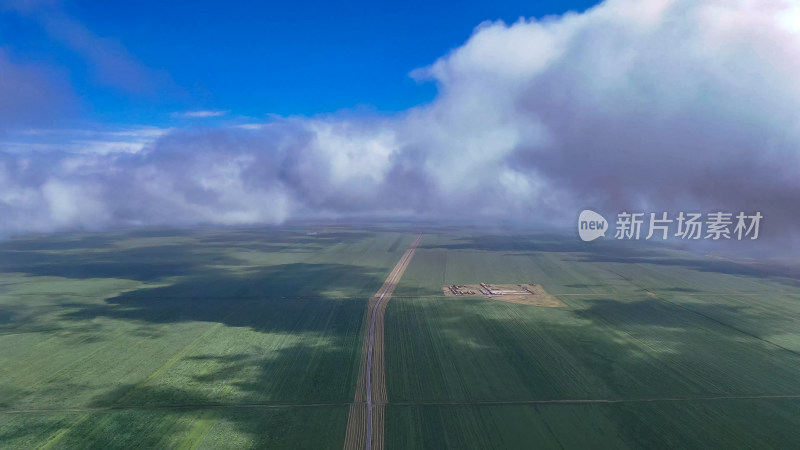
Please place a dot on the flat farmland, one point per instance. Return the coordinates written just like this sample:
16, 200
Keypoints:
711, 424
655, 347
237, 338
196, 427
253, 338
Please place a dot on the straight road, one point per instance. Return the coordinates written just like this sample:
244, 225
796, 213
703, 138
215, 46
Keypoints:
365, 421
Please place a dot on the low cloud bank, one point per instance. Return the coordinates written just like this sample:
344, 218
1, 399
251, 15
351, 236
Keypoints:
662, 105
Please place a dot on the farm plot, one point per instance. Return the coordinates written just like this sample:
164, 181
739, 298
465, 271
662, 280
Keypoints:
735, 423
206, 428
653, 345
179, 333
480, 350
566, 266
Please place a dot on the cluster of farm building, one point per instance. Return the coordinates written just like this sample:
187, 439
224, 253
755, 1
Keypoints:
488, 289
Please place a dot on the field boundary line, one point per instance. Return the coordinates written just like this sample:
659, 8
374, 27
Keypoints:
216, 406
603, 400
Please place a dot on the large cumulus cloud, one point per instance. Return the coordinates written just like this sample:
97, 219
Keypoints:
651, 105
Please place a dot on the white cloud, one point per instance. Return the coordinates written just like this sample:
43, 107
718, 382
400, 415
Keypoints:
125, 140
653, 105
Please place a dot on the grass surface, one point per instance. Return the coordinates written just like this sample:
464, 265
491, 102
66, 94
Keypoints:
306, 427
119, 340
252, 338
665, 335
710, 424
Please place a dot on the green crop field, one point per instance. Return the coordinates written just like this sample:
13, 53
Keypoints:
251, 338
655, 348
163, 339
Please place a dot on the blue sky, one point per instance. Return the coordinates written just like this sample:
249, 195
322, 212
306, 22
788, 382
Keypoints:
169, 113
247, 58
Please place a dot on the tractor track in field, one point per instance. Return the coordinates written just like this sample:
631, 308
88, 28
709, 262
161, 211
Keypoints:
366, 417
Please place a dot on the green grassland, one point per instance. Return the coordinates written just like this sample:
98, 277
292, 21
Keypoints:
681, 350
713, 424
252, 337
165, 339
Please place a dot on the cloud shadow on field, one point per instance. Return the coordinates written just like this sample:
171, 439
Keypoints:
303, 373
263, 427
317, 307
785, 274
247, 300
623, 253
477, 350
544, 242
654, 312
299, 374
680, 289
141, 263
59, 242
282, 240
211, 385
105, 256
319, 365
195, 420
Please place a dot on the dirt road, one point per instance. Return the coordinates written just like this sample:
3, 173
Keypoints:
366, 418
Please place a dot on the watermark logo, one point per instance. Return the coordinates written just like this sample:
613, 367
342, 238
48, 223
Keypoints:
685, 226
591, 225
